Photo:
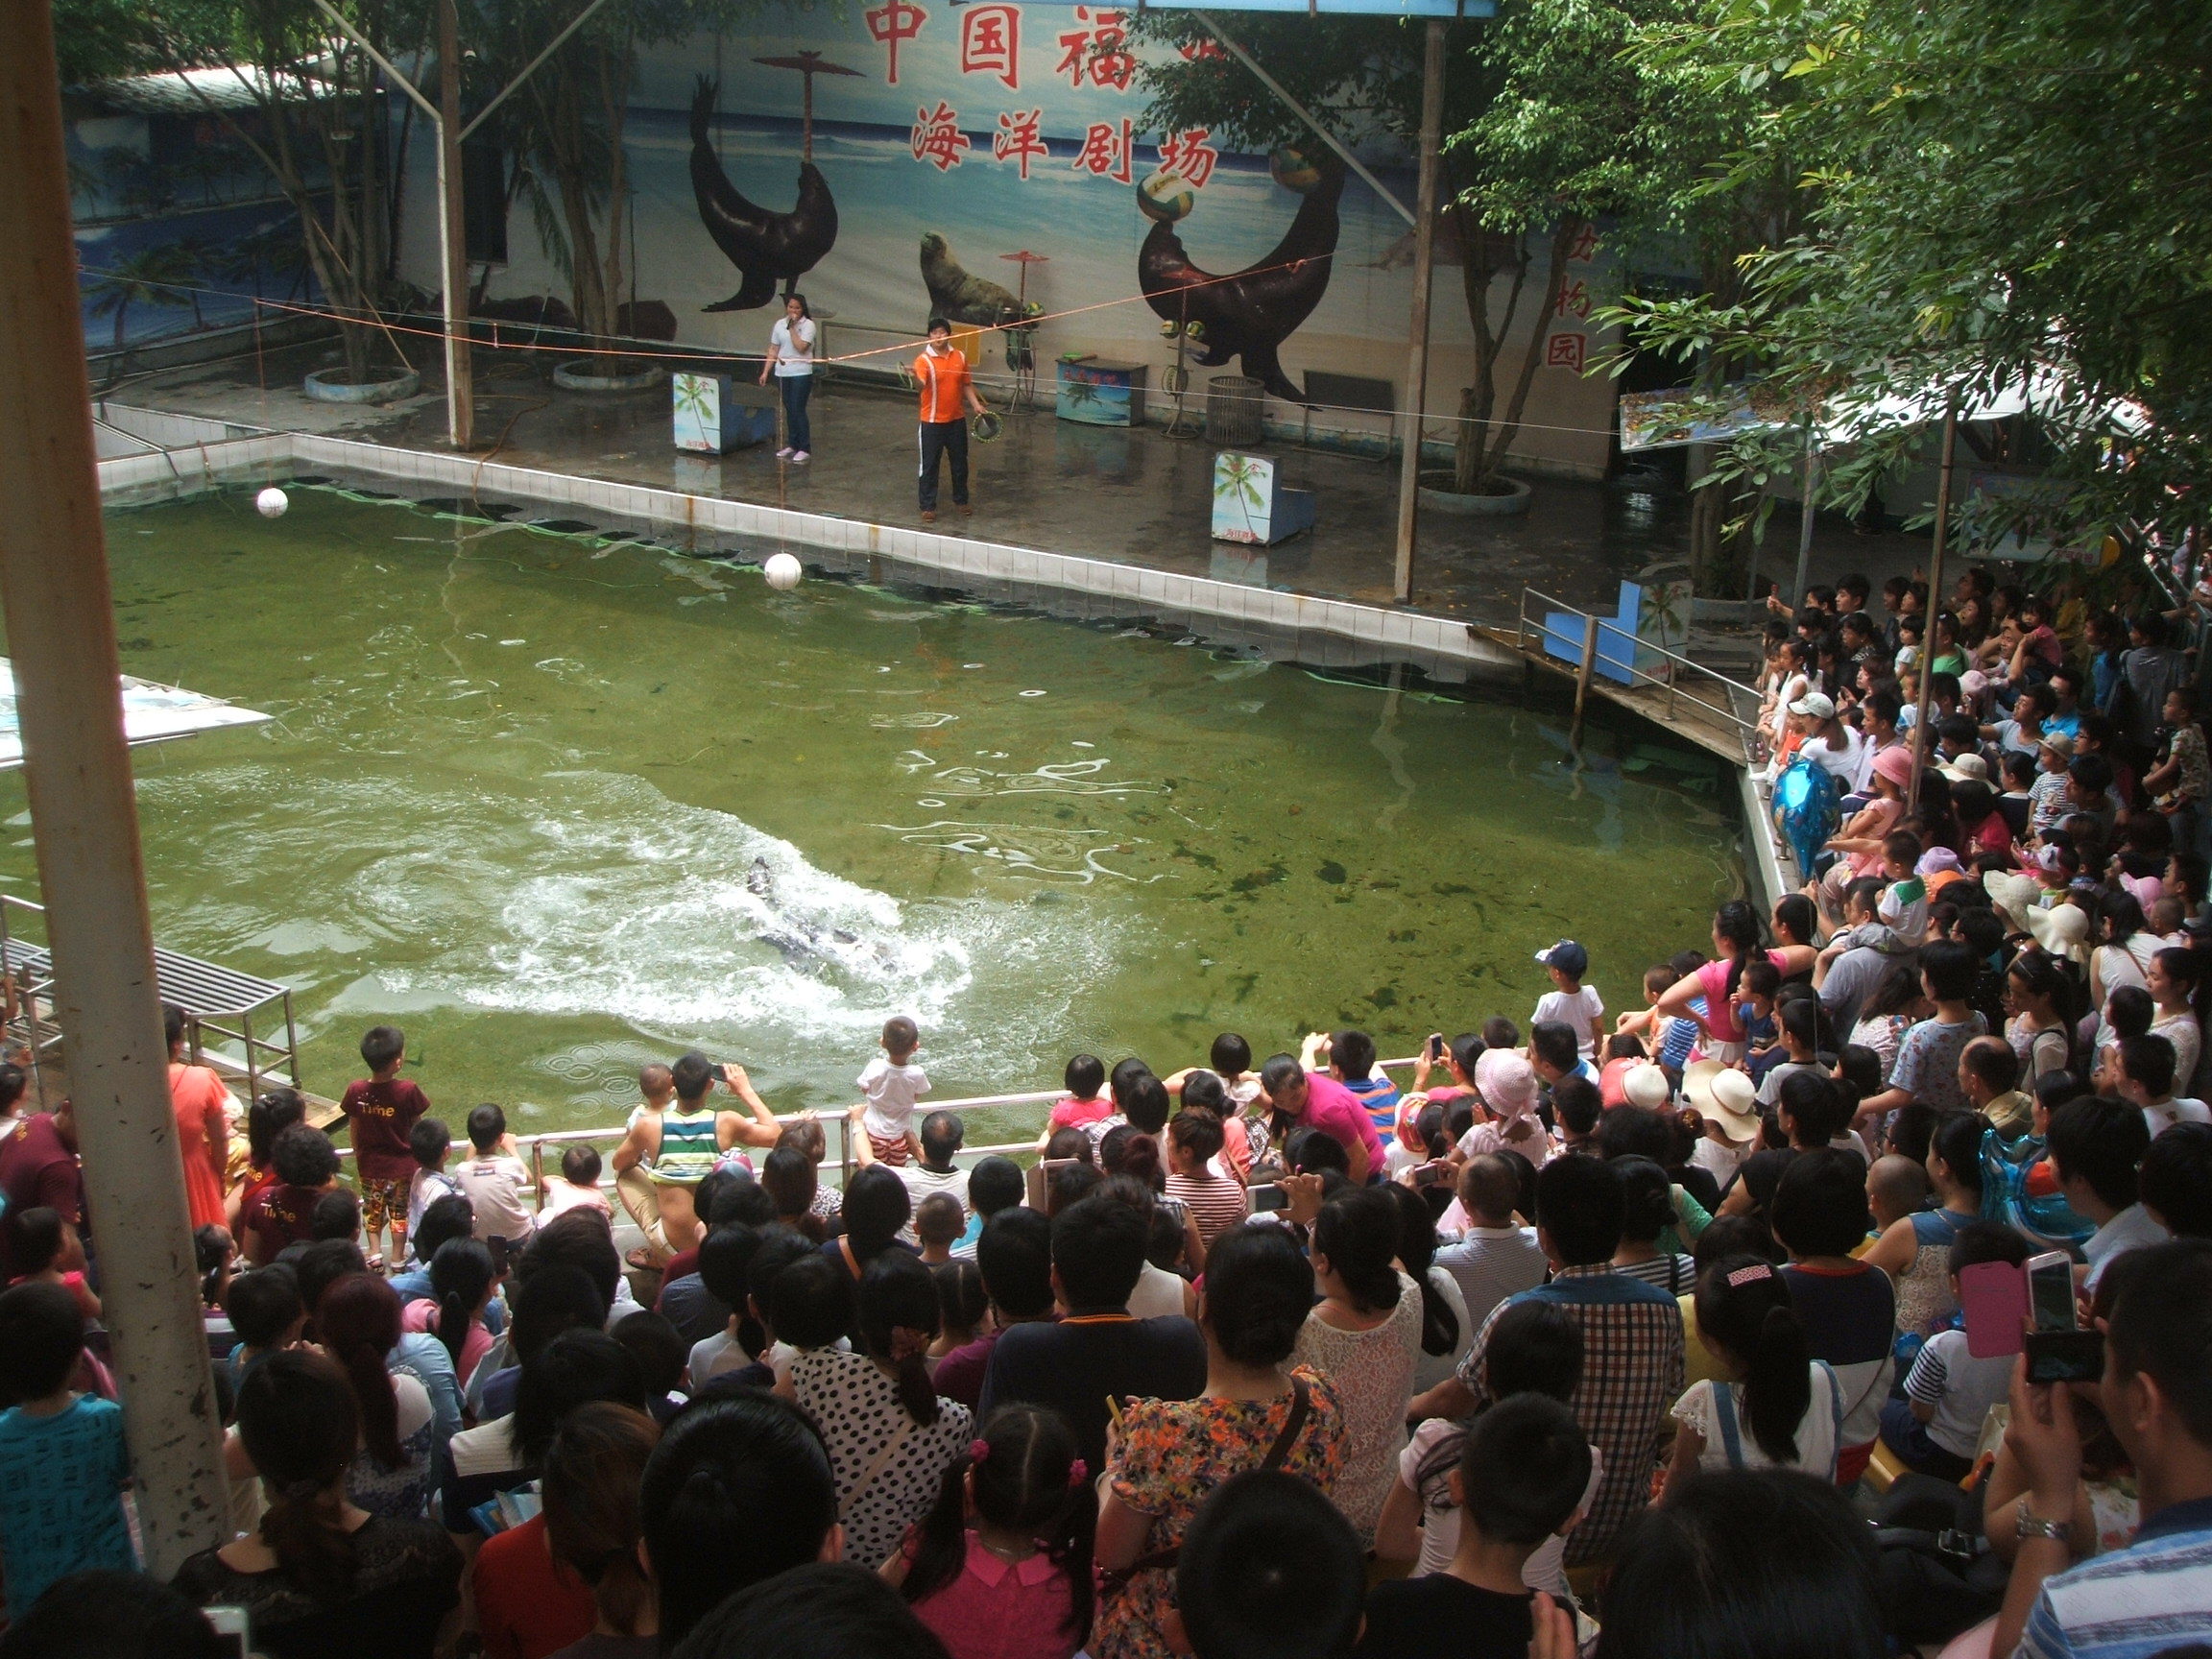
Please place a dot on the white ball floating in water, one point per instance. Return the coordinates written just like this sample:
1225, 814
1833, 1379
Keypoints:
272, 502
782, 571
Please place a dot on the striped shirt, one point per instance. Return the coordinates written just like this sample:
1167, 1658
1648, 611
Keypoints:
1631, 1376
1216, 1204
2153, 1596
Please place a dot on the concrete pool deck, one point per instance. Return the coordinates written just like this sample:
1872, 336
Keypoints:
1128, 497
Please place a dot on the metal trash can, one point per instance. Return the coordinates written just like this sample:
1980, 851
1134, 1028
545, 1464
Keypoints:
1234, 406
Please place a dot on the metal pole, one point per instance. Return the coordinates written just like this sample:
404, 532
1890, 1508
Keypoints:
1805, 522
1305, 116
1417, 336
1921, 742
453, 234
61, 634
1583, 679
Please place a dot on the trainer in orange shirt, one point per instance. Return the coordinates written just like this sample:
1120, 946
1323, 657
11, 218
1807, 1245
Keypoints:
947, 398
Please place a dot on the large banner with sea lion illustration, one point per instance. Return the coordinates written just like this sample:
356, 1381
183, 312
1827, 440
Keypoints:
903, 158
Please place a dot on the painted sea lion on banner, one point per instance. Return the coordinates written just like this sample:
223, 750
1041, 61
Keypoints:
766, 248
959, 298
1248, 314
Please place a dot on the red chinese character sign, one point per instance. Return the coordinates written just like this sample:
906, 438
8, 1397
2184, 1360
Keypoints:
1106, 152
1189, 155
1566, 352
937, 138
1020, 138
1096, 50
991, 42
891, 23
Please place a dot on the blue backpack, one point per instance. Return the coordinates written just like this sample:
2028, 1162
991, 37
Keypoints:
1805, 806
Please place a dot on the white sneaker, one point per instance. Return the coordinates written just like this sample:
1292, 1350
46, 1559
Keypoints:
784, 453
801, 455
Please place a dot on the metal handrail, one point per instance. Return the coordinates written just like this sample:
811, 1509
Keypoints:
1641, 644
539, 1142
1603, 624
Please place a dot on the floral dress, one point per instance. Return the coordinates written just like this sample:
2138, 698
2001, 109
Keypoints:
1173, 1454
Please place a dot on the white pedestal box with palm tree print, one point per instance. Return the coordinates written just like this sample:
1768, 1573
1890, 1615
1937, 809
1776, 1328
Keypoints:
1250, 506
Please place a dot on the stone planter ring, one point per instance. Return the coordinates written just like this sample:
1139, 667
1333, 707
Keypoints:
1435, 494
332, 386
578, 374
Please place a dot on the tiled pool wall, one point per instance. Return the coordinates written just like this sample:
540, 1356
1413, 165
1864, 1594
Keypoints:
196, 455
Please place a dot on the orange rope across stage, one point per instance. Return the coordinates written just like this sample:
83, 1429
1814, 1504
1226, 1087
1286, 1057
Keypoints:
1429, 417
682, 356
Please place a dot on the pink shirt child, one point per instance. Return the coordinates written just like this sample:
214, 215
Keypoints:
1069, 1113
423, 1316
999, 1609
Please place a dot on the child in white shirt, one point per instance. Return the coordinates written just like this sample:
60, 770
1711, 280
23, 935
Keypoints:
892, 1086
1573, 1003
495, 1179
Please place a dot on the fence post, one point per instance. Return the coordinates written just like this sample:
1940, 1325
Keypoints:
1583, 679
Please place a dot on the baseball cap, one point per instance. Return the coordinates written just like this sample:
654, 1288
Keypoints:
1569, 957
1817, 703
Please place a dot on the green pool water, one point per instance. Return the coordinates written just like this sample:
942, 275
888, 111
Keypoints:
558, 807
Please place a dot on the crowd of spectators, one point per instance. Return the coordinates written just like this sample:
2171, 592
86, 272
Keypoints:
1721, 1323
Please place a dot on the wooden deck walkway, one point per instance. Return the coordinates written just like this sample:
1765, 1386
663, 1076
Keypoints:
1688, 712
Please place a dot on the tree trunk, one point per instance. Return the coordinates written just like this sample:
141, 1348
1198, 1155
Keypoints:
1563, 236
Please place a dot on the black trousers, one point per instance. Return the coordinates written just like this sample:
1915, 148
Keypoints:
948, 439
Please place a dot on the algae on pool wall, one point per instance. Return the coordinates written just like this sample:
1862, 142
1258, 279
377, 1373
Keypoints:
559, 808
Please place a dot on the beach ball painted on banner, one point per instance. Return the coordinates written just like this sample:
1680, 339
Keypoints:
1165, 197
782, 571
1293, 169
272, 502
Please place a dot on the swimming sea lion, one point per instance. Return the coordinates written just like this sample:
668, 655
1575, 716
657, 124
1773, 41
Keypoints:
766, 248
1251, 312
959, 298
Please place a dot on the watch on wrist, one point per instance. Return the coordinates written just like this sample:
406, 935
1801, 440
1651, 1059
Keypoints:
2030, 1526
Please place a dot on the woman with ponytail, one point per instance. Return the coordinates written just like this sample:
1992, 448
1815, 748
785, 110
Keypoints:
591, 1485
890, 1434
1445, 1328
461, 1282
1775, 1407
1364, 1337
1736, 945
357, 1325
1000, 1567
323, 1579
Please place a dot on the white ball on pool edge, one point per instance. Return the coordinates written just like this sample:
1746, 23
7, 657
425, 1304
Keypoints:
782, 571
271, 503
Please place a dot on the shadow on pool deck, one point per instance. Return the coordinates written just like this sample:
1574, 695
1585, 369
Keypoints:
1135, 496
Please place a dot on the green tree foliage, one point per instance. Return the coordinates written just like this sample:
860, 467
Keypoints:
1994, 195
563, 130
1550, 124
314, 123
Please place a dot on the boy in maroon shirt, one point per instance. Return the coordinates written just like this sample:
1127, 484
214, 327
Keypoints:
381, 1110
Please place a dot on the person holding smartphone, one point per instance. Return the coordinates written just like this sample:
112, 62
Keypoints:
791, 360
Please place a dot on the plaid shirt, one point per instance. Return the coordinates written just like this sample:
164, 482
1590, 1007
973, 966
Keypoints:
1631, 1376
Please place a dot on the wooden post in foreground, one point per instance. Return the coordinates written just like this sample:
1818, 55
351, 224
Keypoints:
61, 634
